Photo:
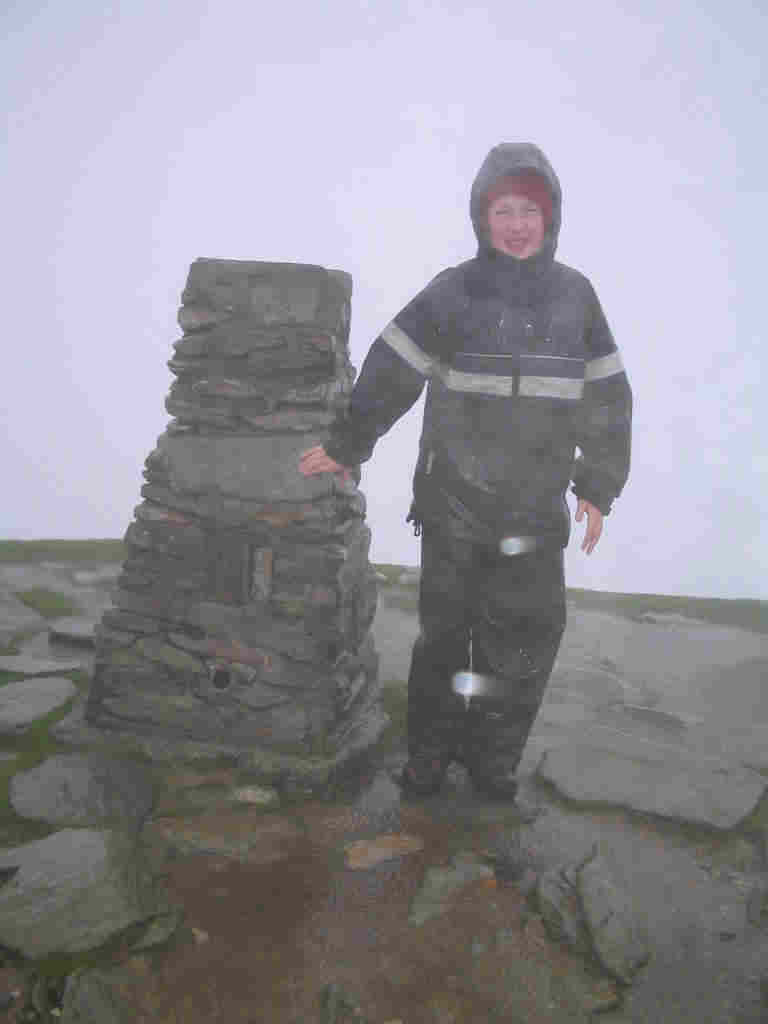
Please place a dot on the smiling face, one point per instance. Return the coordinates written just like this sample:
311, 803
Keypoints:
516, 225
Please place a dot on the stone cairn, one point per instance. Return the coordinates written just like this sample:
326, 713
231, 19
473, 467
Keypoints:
242, 615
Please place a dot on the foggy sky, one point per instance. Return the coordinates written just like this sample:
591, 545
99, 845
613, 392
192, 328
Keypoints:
140, 136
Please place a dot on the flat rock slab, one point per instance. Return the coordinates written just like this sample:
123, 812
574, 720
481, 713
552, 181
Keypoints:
596, 687
619, 943
561, 910
367, 853
15, 617
74, 630
235, 834
442, 885
27, 666
90, 599
49, 576
611, 767
689, 663
84, 789
23, 703
653, 716
747, 744
71, 891
564, 713
104, 574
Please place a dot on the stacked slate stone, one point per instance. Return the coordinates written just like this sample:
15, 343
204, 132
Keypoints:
243, 612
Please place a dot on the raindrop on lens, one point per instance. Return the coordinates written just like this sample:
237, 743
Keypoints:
516, 545
469, 684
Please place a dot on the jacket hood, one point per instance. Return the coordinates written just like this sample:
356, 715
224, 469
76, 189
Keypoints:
512, 158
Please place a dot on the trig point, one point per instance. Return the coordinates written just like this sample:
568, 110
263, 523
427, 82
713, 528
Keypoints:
242, 616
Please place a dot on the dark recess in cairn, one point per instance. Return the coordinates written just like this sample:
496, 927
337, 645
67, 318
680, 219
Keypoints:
242, 616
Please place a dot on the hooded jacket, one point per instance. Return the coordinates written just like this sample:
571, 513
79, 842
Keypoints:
521, 369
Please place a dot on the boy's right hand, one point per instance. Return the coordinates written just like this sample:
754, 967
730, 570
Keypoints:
315, 460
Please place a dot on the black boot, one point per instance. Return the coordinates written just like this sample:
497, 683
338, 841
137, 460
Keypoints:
496, 778
435, 714
425, 771
434, 734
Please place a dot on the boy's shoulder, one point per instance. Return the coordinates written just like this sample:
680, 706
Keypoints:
445, 293
448, 278
570, 277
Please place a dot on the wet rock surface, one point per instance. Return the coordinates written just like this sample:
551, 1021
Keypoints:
84, 789
276, 919
229, 833
367, 853
561, 910
16, 617
71, 891
441, 885
30, 666
24, 703
605, 766
611, 922
76, 630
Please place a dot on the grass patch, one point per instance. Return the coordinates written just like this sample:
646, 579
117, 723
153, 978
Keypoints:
74, 675
48, 603
744, 613
394, 700
21, 551
31, 747
55, 967
50, 971
78, 676
36, 736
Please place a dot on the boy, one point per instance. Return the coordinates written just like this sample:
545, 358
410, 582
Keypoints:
522, 368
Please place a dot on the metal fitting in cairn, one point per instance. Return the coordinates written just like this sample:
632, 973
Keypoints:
242, 616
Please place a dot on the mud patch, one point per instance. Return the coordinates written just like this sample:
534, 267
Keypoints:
278, 937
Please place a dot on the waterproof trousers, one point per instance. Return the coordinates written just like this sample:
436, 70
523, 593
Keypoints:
504, 613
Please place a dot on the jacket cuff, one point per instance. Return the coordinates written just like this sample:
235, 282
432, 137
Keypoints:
594, 485
343, 454
583, 490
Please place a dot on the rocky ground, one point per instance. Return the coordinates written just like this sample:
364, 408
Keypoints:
634, 887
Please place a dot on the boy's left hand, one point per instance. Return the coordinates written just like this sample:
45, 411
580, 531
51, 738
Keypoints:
594, 524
